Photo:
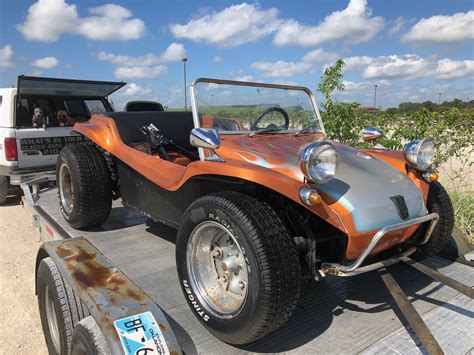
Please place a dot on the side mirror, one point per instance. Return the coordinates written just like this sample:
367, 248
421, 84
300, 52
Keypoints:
371, 134
205, 138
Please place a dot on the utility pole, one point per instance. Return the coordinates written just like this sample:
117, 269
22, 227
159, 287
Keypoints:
375, 96
439, 98
184, 60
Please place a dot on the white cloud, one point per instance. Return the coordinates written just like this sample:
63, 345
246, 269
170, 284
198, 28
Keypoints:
225, 93
244, 78
146, 66
212, 86
235, 25
320, 55
396, 26
352, 86
354, 24
175, 52
452, 69
111, 22
124, 60
47, 20
6, 57
443, 29
281, 68
134, 90
356, 62
217, 59
140, 72
396, 66
408, 66
45, 63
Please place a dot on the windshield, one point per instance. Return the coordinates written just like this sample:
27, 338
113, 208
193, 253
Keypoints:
241, 108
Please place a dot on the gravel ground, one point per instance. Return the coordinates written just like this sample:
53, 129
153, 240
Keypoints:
20, 330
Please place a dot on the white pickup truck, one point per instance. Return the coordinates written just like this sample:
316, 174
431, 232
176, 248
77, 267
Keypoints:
25, 150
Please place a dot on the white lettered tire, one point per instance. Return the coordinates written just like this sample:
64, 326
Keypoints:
238, 266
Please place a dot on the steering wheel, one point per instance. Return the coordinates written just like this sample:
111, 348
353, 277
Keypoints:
257, 119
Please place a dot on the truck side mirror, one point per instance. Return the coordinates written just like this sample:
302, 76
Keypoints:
205, 138
371, 134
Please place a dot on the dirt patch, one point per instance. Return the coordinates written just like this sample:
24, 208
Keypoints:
20, 328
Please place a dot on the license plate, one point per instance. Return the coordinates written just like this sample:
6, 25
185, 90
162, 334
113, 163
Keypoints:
141, 334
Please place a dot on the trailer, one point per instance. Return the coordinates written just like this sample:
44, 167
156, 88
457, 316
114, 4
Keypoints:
121, 292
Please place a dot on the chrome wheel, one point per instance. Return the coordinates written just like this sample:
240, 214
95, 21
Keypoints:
217, 268
51, 318
66, 190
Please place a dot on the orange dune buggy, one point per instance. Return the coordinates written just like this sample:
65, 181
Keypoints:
261, 198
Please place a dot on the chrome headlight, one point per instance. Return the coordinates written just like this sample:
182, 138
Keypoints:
420, 153
318, 161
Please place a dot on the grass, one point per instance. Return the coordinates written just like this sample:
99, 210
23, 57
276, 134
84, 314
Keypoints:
463, 203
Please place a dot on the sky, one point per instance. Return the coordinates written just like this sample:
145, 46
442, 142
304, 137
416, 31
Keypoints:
412, 50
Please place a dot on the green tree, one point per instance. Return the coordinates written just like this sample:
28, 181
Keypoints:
340, 119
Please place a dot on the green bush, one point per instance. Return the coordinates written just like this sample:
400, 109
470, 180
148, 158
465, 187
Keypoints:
450, 129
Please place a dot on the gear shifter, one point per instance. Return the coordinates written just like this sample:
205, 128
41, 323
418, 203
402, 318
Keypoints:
156, 140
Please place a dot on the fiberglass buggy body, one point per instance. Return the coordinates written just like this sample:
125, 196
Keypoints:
261, 198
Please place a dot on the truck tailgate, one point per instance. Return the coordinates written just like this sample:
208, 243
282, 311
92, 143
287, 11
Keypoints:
38, 147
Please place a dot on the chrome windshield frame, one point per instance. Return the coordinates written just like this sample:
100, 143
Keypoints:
312, 98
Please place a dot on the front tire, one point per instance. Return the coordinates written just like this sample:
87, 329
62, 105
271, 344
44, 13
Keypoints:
440, 203
84, 186
238, 266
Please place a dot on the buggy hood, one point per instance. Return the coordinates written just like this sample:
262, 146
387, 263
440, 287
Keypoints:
364, 185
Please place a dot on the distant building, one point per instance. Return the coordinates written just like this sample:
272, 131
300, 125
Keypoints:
368, 109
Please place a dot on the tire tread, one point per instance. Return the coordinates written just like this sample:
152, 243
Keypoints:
438, 202
94, 196
277, 259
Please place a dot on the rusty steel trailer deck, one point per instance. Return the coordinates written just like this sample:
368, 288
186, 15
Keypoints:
338, 315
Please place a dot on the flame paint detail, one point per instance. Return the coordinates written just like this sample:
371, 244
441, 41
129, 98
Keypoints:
279, 156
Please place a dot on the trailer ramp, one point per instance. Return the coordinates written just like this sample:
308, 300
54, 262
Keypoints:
336, 316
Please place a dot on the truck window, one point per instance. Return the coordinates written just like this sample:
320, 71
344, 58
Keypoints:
95, 106
77, 108
23, 115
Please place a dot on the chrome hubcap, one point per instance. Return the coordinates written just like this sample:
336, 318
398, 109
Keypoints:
66, 190
218, 271
51, 318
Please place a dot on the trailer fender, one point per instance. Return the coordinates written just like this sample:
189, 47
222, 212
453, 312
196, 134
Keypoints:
110, 296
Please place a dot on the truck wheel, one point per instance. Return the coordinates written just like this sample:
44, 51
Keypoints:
88, 339
440, 203
60, 309
3, 189
84, 186
238, 266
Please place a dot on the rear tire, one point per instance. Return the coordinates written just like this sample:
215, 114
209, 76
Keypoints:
248, 283
84, 186
3, 189
88, 339
60, 309
440, 203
